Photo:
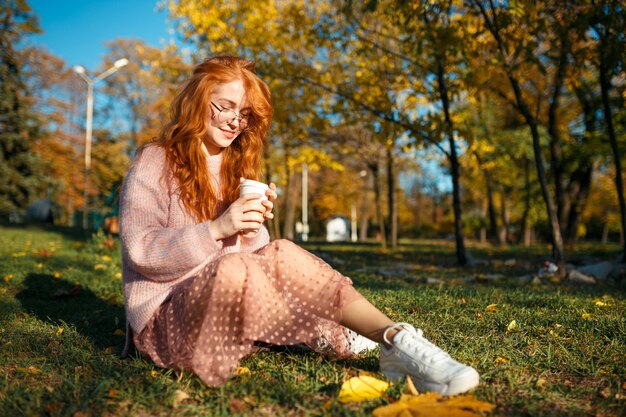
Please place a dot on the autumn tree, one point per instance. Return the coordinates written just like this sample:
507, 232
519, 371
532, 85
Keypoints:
279, 37
143, 90
21, 179
58, 102
414, 51
497, 168
509, 46
359, 146
607, 20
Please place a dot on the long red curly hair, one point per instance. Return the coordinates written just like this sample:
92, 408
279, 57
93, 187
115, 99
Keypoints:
182, 136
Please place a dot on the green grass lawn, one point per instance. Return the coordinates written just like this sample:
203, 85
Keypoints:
62, 322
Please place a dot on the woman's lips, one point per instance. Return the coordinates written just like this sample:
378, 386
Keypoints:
229, 133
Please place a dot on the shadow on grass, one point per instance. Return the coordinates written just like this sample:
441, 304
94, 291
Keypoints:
57, 300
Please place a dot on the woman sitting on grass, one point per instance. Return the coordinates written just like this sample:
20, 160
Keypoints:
204, 287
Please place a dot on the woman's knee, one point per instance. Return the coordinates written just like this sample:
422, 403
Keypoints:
285, 245
231, 273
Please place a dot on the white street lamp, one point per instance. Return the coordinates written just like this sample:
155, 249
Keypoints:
305, 201
80, 70
353, 226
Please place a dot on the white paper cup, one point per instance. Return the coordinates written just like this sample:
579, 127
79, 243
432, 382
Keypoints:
253, 187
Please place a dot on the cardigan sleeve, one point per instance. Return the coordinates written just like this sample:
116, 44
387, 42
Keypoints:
256, 241
149, 246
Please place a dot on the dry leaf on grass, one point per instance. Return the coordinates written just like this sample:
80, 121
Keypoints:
32, 370
362, 388
179, 397
434, 405
242, 370
492, 307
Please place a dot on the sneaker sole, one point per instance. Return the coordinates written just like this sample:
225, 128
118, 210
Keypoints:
466, 381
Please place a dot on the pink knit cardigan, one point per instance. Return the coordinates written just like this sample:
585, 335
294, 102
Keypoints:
162, 244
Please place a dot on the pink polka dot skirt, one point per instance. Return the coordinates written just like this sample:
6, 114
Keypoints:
279, 295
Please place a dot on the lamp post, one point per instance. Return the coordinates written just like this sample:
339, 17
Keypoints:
353, 226
80, 70
305, 201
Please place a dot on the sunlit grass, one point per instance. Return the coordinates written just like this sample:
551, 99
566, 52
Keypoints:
62, 321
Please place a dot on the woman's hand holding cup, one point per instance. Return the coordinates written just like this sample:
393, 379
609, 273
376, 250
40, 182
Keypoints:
263, 193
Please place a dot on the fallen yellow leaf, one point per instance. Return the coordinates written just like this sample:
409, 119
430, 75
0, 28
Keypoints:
242, 370
7, 277
362, 388
512, 326
33, 370
410, 386
119, 332
59, 331
99, 267
501, 359
179, 397
492, 307
586, 316
433, 405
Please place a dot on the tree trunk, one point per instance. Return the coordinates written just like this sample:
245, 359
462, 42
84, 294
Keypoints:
556, 153
605, 86
364, 222
461, 255
605, 232
290, 204
505, 216
392, 200
482, 234
524, 223
374, 168
557, 239
578, 190
493, 221
579, 185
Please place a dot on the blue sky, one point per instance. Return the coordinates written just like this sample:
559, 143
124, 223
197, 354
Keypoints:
76, 30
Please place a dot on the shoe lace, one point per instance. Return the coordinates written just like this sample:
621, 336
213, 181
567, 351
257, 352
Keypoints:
423, 349
428, 351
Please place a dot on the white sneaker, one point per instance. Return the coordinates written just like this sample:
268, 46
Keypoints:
358, 343
430, 368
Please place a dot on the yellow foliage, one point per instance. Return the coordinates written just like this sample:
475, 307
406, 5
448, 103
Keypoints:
512, 326
315, 159
242, 370
362, 388
432, 405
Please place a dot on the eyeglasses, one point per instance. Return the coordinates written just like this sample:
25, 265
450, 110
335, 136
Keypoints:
225, 115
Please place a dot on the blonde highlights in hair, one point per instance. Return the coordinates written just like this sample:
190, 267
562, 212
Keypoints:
182, 137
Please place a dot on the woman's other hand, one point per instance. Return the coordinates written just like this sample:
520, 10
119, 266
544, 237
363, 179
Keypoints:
269, 203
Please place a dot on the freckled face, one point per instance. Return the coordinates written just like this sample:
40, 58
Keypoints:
221, 132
